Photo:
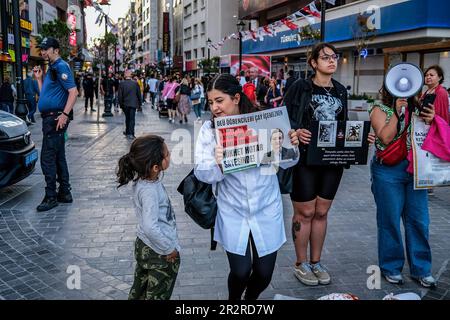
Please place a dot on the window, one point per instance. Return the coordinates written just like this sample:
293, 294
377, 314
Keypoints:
195, 30
203, 4
203, 28
195, 53
188, 33
187, 55
203, 52
195, 5
187, 10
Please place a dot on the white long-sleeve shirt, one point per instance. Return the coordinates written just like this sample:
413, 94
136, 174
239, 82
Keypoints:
247, 201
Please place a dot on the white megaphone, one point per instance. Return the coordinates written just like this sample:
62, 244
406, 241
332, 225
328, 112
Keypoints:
404, 80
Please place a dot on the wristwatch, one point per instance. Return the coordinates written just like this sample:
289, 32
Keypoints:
65, 114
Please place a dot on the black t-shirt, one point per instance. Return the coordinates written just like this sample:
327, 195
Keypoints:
108, 85
326, 104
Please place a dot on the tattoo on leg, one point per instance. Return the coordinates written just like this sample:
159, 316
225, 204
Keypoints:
295, 229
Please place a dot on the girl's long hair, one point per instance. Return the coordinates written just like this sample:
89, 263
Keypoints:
145, 152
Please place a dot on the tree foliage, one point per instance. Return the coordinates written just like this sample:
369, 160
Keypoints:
210, 65
60, 31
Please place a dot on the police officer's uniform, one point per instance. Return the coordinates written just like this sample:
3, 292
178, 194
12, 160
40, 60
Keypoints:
54, 94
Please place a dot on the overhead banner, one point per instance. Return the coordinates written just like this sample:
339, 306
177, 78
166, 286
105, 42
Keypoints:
259, 64
166, 33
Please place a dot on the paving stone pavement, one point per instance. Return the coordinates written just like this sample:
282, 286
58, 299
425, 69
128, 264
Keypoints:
96, 233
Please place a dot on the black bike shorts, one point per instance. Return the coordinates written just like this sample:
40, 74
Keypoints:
310, 182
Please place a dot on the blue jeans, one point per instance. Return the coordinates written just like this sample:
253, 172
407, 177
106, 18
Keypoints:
198, 110
395, 197
7, 106
31, 100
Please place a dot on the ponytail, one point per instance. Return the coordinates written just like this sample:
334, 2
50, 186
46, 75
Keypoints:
125, 171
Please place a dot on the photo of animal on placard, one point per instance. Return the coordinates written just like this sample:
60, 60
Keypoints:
327, 134
354, 133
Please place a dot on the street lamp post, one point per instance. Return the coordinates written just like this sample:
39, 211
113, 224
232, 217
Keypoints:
322, 21
21, 106
208, 43
169, 60
108, 101
240, 27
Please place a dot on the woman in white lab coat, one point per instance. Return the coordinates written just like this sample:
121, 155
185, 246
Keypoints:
249, 223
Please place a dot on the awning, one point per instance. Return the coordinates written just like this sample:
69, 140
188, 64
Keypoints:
87, 55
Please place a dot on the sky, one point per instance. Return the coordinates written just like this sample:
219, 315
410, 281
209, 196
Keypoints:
116, 10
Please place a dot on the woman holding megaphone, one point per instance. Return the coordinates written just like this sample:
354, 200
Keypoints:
393, 186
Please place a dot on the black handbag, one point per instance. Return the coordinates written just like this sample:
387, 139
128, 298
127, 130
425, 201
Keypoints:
285, 179
199, 203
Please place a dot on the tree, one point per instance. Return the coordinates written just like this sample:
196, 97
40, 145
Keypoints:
362, 35
60, 31
107, 41
307, 33
210, 66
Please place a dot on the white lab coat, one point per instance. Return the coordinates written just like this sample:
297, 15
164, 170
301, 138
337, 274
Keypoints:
247, 201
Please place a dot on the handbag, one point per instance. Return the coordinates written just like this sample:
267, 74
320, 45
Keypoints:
397, 151
199, 203
285, 179
195, 95
176, 99
394, 153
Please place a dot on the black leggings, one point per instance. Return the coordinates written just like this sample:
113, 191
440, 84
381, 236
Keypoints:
255, 276
309, 182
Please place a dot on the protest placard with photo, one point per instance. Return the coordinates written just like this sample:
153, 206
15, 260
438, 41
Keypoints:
429, 170
254, 139
338, 143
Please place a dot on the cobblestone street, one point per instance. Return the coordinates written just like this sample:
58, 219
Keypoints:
97, 232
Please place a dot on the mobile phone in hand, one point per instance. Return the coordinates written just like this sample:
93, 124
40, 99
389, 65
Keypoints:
427, 100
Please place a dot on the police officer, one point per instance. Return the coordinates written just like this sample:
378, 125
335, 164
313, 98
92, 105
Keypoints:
58, 96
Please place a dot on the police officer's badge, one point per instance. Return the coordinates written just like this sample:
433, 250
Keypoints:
64, 76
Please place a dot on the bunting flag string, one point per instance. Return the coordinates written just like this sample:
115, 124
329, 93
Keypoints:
310, 13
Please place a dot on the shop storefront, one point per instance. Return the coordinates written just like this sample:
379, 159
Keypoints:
420, 23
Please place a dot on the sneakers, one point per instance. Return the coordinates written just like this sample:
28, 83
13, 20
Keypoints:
321, 273
426, 282
65, 197
305, 275
47, 204
396, 279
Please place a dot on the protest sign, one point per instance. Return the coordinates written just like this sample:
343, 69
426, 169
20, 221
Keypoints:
338, 143
254, 139
429, 170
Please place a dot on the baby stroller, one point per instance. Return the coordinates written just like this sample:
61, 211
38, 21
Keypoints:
163, 111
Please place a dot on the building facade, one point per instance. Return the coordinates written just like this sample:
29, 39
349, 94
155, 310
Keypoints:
203, 20
399, 24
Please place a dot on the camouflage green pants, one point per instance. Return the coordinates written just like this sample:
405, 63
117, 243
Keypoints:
154, 277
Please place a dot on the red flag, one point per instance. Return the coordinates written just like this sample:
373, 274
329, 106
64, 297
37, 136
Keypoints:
289, 24
312, 10
268, 31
